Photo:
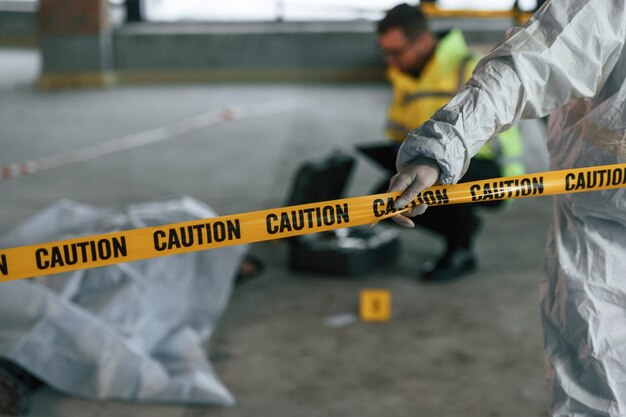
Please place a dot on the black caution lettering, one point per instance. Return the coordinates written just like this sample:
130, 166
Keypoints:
309, 218
196, 235
81, 253
376, 207
4, 267
569, 179
616, 177
270, 224
537, 185
474, 189
343, 216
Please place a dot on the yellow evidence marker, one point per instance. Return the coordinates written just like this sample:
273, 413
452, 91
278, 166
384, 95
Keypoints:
375, 305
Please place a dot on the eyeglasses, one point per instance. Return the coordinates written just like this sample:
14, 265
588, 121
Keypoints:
398, 52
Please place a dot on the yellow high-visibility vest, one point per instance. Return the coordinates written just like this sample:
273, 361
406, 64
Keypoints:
416, 99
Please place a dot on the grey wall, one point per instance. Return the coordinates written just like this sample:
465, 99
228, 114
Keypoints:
18, 27
292, 50
237, 51
286, 48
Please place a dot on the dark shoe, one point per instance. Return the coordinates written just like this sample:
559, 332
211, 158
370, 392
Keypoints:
452, 265
14, 393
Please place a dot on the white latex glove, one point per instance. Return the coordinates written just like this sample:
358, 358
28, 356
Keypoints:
416, 176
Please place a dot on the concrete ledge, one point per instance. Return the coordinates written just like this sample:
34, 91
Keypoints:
250, 75
75, 80
76, 54
259, 27
18, 27
19, 41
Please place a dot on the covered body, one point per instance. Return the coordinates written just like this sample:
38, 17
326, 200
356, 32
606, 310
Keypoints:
133, 331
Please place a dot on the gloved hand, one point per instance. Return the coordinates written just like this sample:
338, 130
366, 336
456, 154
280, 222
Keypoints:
410, 180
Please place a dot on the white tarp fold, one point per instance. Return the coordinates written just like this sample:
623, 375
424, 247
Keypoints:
132, 331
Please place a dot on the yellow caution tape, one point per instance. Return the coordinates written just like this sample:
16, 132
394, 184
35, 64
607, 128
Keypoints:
150, 242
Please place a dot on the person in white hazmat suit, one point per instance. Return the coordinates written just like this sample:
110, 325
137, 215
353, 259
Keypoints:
131, 331
569, 61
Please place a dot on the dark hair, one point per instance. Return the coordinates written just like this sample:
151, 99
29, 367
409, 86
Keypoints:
408, 18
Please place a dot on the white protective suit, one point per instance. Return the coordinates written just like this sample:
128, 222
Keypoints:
568, 61
132, 331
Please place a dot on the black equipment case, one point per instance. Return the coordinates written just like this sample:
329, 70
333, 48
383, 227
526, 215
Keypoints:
347, 252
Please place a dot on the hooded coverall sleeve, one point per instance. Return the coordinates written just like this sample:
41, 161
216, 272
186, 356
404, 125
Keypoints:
567, 50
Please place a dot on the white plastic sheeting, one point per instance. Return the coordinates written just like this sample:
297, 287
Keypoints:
131, 331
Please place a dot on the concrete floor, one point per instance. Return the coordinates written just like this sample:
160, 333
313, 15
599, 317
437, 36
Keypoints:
467, 348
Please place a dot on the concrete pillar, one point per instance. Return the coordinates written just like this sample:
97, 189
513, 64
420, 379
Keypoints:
75, 43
